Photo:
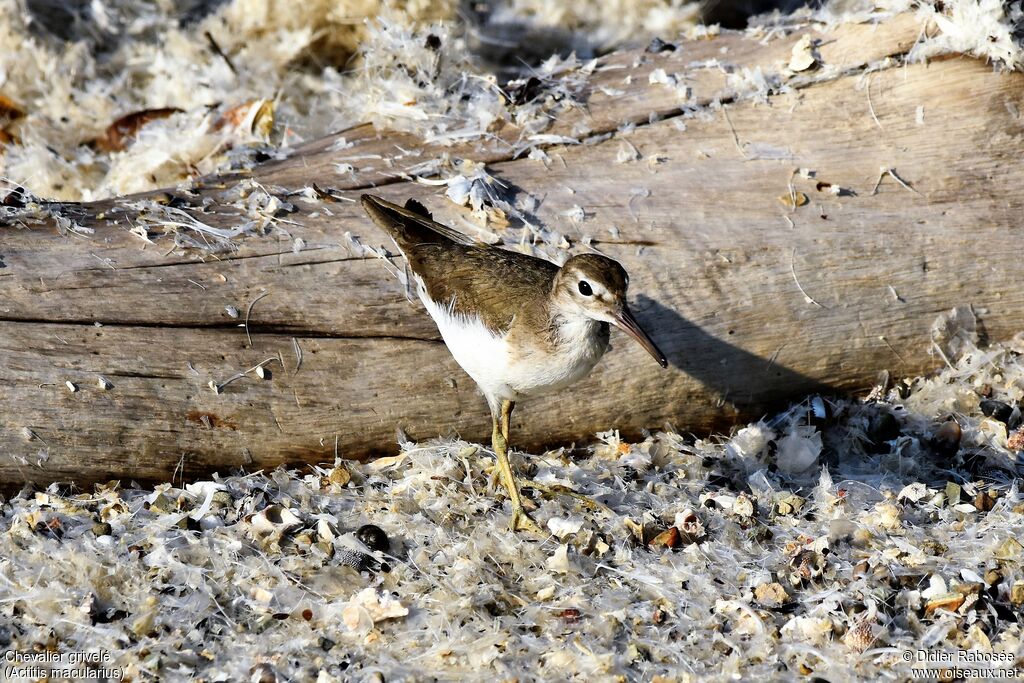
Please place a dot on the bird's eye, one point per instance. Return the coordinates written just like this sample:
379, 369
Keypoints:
585, 289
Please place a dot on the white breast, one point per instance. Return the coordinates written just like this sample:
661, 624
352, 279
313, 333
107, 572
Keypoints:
503, 375
481, 353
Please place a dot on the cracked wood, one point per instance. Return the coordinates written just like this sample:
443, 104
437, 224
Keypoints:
719, 266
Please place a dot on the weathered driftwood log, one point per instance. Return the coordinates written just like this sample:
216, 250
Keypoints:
754, 300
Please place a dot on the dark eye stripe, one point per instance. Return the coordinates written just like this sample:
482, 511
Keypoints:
585, 288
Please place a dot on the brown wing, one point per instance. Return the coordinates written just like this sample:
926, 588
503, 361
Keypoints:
495, 284
456, 268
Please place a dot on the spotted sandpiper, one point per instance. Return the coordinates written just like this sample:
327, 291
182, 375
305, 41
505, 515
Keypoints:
518, 325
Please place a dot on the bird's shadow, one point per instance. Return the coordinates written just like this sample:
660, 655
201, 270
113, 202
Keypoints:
749, 382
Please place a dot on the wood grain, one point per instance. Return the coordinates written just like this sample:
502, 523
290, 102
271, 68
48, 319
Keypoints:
754, 302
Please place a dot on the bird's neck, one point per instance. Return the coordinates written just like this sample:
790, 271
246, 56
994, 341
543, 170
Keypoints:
572, 327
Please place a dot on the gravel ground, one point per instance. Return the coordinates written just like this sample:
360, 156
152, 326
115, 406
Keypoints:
836, 540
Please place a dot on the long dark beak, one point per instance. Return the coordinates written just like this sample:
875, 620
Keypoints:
625, 321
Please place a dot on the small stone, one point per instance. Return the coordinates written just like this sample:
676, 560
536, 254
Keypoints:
771, 594
339, 476
221, 499
104, 383
788, 503
1017, 593
882, 428
1015, 442
101, 529
952, 494
970, 588
947, 439
1010, 549
993, 577
743, 506
658, 45
263, 673
373, 537
161, 504
997, 410
984, 502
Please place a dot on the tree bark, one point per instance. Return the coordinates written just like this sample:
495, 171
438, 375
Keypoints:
754, 301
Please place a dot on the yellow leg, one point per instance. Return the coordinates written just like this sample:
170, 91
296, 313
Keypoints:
499, 439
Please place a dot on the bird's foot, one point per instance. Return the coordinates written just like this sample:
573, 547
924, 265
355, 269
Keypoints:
521, 521
552, 490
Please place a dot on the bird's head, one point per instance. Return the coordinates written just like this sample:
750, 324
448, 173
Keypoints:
595, 286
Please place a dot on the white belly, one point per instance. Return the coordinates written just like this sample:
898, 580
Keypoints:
503, 375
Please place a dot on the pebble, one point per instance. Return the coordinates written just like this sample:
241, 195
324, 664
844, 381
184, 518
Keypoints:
771, 594
221, 499
373, 537
101, 529
997, 410
984, 502
946, 441
993, 577
658, 45
1017, 593
211, 522
263, 673
882, 428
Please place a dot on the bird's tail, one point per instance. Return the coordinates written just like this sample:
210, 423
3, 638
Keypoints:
410, 225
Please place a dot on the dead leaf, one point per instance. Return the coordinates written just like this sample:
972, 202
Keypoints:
946, 601
795, 199
9, 109
670, 538
803, 55
125, 129
254, 117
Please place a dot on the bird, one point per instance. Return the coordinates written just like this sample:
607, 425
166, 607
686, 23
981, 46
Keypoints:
518, 325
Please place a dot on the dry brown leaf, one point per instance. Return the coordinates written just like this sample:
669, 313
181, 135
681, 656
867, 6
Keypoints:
9, 109
795, 199
947, 601
670, 538
124, 129
253, 116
